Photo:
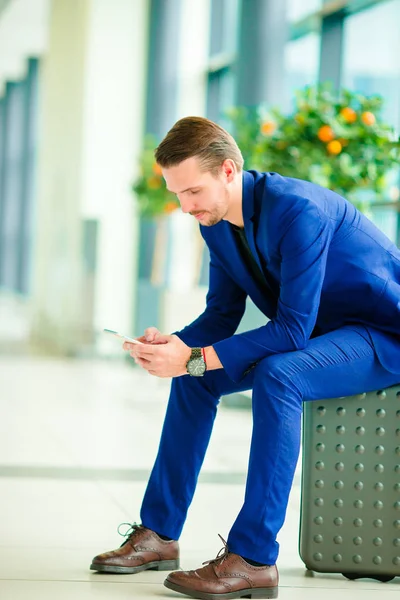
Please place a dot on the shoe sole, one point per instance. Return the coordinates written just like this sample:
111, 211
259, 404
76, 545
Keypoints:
271, 592
158, 565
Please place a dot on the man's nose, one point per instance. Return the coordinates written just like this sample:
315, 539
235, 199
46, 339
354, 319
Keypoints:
186, 206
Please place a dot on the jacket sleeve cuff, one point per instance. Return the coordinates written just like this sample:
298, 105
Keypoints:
235, 362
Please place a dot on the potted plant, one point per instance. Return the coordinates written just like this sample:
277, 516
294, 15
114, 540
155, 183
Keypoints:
154, 200
337, 141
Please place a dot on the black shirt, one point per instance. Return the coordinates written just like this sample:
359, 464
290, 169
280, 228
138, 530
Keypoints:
249, 260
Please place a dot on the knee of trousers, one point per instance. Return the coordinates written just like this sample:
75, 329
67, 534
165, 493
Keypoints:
277, 380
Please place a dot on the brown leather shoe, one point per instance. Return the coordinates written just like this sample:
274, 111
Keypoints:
143, 549
227, 576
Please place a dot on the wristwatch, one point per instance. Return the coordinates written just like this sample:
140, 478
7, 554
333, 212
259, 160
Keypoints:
196, 365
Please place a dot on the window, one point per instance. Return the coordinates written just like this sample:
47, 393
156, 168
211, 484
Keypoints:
371, 55
371, 66
224, 22
12, 185
299, 9
220, 94
302, 62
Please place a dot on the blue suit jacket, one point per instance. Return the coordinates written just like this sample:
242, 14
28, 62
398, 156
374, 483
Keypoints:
326, 265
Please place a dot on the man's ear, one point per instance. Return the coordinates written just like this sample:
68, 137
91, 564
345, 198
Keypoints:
229, 169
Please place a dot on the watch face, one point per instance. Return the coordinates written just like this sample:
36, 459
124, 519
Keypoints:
196, 367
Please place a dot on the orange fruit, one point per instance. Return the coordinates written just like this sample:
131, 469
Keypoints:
268, 128
157, 169
349, 114
170, 207
154, 183
334, 147
325, 133
368, 118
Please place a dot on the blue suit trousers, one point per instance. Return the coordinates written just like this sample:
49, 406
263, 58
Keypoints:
340, 363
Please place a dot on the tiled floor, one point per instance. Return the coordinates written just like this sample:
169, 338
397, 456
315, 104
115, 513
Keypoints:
77, 439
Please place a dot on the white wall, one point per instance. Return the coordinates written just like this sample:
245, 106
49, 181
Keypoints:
113, 129
90, 136
57, 272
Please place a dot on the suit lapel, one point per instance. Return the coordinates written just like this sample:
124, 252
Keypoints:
248, 201
221, 239
233, 259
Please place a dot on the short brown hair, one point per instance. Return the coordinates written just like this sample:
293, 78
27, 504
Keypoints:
197, 136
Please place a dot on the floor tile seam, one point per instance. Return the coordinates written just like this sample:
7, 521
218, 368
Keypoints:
281, 585
79, 473
81, 581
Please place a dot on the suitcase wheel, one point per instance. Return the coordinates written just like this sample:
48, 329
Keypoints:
353, 576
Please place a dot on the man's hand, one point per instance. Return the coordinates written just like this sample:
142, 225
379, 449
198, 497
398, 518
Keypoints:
162, 355
150, 336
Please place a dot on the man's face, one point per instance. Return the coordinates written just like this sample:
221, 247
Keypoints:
200, 194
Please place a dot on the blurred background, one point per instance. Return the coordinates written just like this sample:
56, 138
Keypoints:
82, 85
90, 240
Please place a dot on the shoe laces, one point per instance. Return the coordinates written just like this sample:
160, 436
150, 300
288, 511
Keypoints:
222, 554
132, 529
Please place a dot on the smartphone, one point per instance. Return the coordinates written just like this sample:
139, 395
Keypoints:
124, 337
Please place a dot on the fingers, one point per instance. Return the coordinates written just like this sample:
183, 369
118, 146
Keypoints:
129, 346
141, 362
151, 333
163, 339
139, 355
154, 366
151, 336
148, 366
149, 352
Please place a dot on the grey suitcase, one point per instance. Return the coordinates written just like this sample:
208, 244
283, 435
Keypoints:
350, 490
